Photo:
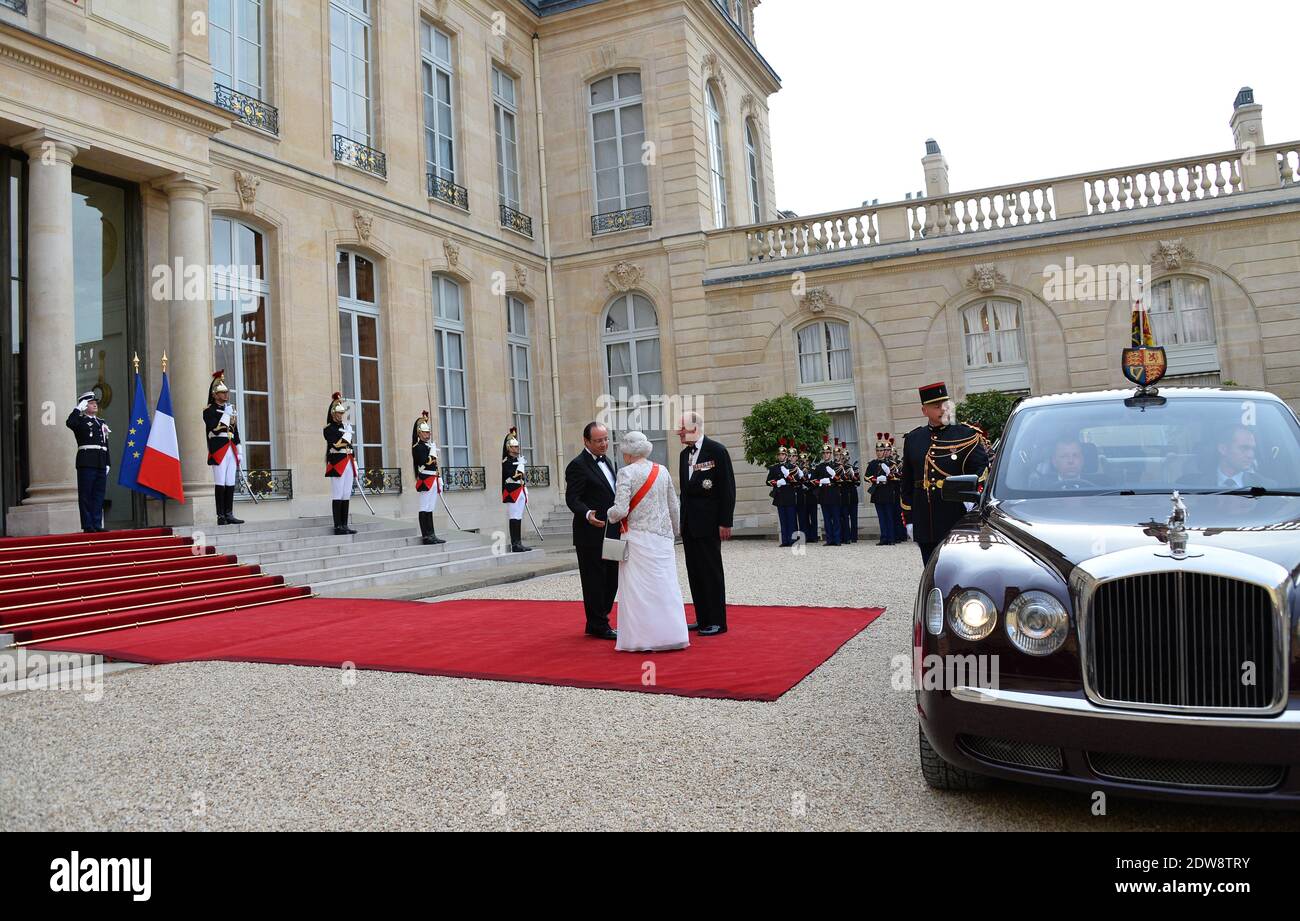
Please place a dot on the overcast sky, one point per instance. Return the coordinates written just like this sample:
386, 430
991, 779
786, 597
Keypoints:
1012, 90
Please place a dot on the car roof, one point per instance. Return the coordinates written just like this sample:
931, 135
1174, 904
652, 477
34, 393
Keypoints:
1172, 393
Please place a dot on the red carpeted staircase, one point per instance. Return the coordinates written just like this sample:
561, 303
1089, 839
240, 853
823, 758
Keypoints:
67, 585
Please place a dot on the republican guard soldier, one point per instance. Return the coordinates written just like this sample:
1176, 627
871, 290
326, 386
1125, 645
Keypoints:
780, 476
428, 478
93, 460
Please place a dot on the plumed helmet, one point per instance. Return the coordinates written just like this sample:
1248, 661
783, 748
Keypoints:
337, 405
511, 440
421, 425
217, 386
884, 441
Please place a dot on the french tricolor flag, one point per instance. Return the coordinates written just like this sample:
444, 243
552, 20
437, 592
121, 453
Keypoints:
160, 468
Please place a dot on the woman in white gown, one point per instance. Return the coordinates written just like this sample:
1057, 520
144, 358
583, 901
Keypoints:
651, 615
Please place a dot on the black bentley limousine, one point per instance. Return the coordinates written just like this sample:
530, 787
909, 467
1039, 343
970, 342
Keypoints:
1123, 601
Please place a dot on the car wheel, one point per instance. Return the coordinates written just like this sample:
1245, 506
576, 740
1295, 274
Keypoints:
940, 775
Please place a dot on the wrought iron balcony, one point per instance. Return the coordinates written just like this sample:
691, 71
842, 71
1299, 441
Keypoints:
516, 221
460, 479
266, 484
382, 481
359, 155
18, 6
448, 191
250, 111
612, 221
538, 476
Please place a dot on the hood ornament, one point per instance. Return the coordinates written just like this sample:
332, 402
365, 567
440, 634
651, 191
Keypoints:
1176, 530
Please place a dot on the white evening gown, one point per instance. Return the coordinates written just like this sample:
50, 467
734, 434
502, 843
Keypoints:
651, 615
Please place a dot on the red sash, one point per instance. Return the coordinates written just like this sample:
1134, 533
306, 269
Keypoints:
640, 494
339, 467
219, 455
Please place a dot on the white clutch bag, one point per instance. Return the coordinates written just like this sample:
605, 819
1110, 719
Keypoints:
613, 549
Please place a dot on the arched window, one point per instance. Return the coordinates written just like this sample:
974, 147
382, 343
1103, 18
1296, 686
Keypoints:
995, 346
453, 392
617, 137
241, 335
1182, 320
717, 158
519, 363
753, 163
359, 354
824, 353
634, 370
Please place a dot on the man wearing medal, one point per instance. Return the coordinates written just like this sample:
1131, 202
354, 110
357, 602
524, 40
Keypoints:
932, 453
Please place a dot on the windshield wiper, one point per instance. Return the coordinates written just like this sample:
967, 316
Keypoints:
1252, 491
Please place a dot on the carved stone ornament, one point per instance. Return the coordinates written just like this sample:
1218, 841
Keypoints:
521, 276
1171, 254
247, 185
363, 222
453, 253
817, 300
986, 278
439, 9
713, 71
608, 55
624, 277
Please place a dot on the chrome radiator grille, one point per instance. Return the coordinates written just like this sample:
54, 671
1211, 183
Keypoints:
1184, 640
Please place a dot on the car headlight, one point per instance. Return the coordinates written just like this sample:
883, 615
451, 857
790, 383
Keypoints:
1037, 623
972, 615
934, 612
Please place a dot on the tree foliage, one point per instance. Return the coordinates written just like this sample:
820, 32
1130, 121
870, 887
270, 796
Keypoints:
988, 410
786, 416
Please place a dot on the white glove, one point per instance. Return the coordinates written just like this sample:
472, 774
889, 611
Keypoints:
881, 479
81, 407
106, 469
785, 472
824, 482
780, 482
885, 468
909, 532
347, 431
107, 430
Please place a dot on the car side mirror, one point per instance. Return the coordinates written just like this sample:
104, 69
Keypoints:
964, 488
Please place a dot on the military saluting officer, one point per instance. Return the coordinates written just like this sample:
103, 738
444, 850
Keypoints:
223, 452
340, 467
780, 476
931, 453
93, 460
514, 491
428, 478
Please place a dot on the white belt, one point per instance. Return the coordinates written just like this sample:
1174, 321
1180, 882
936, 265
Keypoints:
92, 447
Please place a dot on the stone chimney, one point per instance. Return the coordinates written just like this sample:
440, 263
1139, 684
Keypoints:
936, 170
1247, 121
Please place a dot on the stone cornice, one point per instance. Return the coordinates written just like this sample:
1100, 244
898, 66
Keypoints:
35, 52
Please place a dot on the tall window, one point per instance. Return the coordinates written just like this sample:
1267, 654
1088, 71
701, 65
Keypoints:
824, 353
995, 346
439, 129
235, 45
617, 136
717, 158
453, 394
753, 163
504, 118
359, 355
518, 357
634, 369
350, 74
241, 334
844, 426
1180, 311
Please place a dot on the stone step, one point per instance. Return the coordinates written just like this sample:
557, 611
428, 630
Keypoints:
348, 585
367, 550
236, 542
310, 571
301, 548
273, 524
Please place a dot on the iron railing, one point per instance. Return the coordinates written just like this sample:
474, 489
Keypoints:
354, 153
460, 479
516, 221
248, 110
266, 484
446, 190
538, 476
626, 219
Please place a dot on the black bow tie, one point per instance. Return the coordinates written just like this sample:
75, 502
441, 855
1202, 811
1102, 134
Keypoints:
602, 459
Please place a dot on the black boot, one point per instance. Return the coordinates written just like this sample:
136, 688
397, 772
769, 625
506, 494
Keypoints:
426, 528
219, 498
338, 518
516, 536
230, 507
343, 516
433, 534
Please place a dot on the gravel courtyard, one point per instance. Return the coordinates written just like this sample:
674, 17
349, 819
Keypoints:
238, 746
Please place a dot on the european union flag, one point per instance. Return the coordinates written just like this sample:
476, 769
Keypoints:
137, 436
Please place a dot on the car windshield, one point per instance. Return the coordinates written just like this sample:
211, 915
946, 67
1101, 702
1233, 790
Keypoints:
1192, 444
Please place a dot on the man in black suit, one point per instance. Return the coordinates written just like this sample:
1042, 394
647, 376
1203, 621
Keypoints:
589, 492
708, 501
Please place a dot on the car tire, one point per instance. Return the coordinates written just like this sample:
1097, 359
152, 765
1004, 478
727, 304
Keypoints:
940, 775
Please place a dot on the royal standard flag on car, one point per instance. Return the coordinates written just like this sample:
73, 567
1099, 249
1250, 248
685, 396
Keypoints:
137, 436
1141, 323
1143, 362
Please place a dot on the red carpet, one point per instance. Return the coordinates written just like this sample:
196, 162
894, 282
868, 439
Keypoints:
766, 651
66, 585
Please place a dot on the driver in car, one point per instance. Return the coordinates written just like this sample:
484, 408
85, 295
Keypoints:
1236, 455
1067, 467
